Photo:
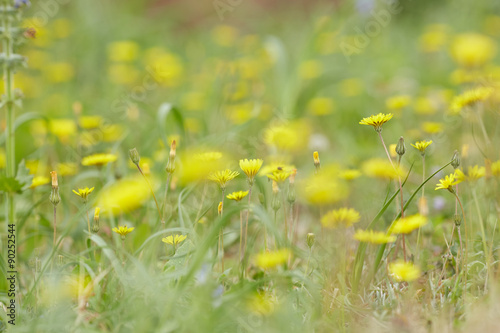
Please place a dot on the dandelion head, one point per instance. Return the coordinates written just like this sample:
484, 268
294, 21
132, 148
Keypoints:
422, 145
377, 120
373, 237
404, 271
237, 196
222, 177
123, 231
340, 217
99, 159
251, 168
268, 260
407, 224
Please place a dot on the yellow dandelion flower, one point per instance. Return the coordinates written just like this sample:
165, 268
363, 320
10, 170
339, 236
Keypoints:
62, 128
124, 196
323, 188
262, 303
222, 177
374, 237
67, 169
398, 102
475, 172
321, 106
125, 51
291, 136
251, 168
422, 145
83, 193
432, 127
469, 98
350, 174
174, 240
459, 176
472, 50
342, 216
39, 181
237, 196
495, 168
434, 38
267, 260
90, 122
409, 223
276, 167
447, 183
404, 271
123, 231
209, 156
381, 168
279, 176
99, 159
377, 120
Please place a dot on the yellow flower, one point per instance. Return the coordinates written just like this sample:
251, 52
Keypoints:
321, 106
472, 50
90, 122
459, 176
39, 180
251, 168
381, 168
398, 102
62, 128
67, 169
279, 176
422, 145
475, 172
447, 183
350, 174
125, 51
276, 167
83, 192
209, 156
495, 168
470, 98
374, 237
124, 196
324, 188
99, 159
123, 231
237, 196
222, 177
434, 38
291, 136
266, 260
432, 127
404, 271
174, 240
377, 120
336, 217
409, 223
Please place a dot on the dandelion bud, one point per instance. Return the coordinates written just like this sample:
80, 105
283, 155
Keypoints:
457, 219
53, 174
316, 160
276, 204
55, 198
219, 209
310, 239
95, 226
455, 160
171, 159
400, 147
134, 156
172, 149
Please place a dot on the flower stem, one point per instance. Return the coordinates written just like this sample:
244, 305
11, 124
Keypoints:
221, 235
464, 264
483, 234
165, 200
151, 188
422, 201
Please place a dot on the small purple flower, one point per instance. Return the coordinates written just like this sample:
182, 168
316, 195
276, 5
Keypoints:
19, 3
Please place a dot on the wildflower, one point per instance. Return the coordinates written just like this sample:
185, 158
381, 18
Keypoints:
99, 159
123, 231
455, 160
124, 196
237, 196
219, 208
55, 198
209, 156
469, 98
67, 169
267, 260
341, 216
123, 51
422, 145
251, 168
432, 127
90, 122
83, 193
409, 223
316, 160
381, 168
475, 172
447, 183
321, 106
134, 156
222, 177
350, 174
292, 136
39, 181
459, 175
170, 168
472, 50
377, 120
279, 176
400, 147
324, 188
404, 271
310, 239
374, 237
398, 102
174, 240
495, 168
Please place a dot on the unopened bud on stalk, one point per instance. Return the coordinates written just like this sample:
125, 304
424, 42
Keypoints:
457, 219
95, 226
54, 198
316, 160
171, 159
400, 147
134, 156
455, 160
310, 239
219, 209
276, 203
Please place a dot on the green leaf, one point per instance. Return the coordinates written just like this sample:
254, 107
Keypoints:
10, 185
23, 176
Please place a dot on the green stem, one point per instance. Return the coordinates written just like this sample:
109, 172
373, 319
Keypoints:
165, 199
422, 201
151, 188
483, 233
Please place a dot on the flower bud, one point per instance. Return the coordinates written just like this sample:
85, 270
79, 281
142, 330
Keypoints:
291, 193
316, 160
455, 160
95, 226
400, 147
55, 198
310, 239
171, 159
53, 174
219, 208
134, 156
457, 219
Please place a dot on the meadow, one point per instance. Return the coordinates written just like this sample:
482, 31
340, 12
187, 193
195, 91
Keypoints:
237, 166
